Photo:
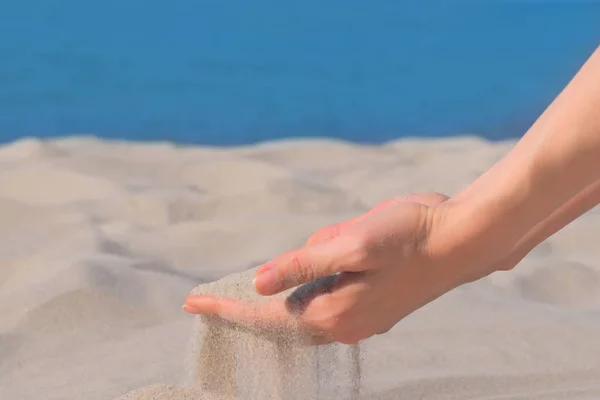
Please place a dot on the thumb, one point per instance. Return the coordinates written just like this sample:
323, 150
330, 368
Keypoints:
344, 253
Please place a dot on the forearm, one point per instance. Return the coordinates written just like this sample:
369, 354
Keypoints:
556, 159
577, 206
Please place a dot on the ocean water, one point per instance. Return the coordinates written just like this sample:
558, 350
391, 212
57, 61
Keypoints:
230, 72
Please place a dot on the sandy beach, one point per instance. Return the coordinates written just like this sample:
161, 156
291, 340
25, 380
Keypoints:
101, 241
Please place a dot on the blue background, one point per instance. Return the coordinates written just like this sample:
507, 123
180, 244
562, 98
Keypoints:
230, 72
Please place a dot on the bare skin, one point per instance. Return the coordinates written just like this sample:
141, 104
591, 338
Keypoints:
406, 252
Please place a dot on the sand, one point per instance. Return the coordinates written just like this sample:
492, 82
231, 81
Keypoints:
256, 362
100, 242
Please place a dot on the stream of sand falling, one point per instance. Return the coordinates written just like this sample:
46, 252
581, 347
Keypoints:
233, 362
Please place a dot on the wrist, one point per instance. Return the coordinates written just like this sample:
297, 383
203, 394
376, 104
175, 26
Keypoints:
482, 227
517, 194
459, 240
575, 207
551, 164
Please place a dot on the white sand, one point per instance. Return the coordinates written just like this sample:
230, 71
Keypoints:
101, 242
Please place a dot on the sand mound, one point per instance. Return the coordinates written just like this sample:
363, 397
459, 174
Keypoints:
59, 186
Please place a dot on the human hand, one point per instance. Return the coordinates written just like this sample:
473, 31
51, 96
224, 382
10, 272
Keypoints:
385, 267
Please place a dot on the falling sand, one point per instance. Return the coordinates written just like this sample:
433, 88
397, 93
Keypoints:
257, 362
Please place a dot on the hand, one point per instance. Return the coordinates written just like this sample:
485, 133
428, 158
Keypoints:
386, 268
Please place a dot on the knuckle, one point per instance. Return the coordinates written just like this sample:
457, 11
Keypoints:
335, 320
329, 324
320, 236
334, 231
435, 198
338, 328
440, 196
299, 270
357, 250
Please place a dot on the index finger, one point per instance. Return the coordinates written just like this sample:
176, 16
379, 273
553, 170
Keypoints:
345, 253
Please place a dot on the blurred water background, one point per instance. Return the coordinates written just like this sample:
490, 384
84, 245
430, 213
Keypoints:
232, 72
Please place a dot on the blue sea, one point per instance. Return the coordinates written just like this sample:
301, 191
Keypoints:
232, 72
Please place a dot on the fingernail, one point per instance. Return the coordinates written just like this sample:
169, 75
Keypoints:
190, 309
266, 267
266, 281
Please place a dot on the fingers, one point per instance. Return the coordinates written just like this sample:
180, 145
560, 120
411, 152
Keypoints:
271, 313
270, 318
304, 265
346, 253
